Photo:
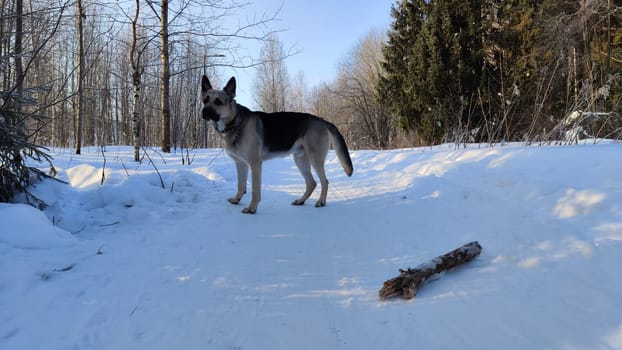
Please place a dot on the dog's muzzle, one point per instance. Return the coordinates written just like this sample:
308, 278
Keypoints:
210, 114
214, 118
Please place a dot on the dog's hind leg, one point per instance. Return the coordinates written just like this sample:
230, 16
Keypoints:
302, 162
318, 166
242, 170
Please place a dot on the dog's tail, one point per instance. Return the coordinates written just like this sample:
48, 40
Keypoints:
339, 144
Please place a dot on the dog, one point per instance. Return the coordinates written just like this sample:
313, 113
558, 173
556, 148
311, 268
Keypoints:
251, 137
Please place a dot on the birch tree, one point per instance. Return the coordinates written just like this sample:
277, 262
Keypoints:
137, 70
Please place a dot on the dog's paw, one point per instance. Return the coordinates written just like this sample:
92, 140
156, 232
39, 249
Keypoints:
249, 211
320, 204
234, 200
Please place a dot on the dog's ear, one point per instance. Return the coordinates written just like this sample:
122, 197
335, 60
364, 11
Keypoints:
230, 88
205, 84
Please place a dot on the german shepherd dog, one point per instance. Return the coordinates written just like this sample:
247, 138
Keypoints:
252, 137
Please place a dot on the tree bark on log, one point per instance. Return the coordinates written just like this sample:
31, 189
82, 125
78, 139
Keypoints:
409, 281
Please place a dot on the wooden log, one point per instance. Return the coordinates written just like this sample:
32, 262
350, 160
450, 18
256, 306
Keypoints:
409, 281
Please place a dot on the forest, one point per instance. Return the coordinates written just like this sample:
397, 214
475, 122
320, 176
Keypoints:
79, 73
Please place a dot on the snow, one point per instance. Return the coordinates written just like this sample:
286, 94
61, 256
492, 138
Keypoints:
39, 235
131, 265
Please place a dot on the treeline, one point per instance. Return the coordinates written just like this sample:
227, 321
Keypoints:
446, 71
513, 70
486, 71
92, 72
68, 68
97, 72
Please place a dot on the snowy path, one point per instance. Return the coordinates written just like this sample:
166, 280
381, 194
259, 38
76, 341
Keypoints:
183, 269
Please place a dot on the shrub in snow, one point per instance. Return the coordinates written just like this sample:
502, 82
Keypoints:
15, 148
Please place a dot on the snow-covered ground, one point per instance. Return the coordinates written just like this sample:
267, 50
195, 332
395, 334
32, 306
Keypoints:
130, 265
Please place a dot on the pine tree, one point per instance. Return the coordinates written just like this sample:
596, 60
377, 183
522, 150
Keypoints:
397, 85
434, 66
507, 95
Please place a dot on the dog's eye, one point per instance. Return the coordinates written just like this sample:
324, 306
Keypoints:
218, 102
206, 100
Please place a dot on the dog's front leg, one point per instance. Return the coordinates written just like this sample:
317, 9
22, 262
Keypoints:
256, 185
242, 170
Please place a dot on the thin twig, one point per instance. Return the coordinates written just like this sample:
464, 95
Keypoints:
213, 159
160, 154
80, 230
155, 167
124, 168
103, 168
64, 269
42, 174
111, 224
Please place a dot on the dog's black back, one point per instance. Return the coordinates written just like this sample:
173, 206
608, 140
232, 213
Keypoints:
281, 130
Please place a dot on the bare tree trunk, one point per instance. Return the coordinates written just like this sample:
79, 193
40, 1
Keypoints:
81, 73
19, 70
106, 110
64, 111
608, 66
166, 117
587, 54
136, 73
4, 48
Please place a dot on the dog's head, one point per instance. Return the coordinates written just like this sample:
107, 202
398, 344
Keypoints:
218, 105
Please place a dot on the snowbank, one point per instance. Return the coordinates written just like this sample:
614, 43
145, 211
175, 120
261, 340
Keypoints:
165, 262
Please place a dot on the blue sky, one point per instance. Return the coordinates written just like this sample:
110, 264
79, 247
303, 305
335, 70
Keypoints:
324, 32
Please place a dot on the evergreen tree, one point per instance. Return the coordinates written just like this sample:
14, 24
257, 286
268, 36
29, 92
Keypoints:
398, 84
434, 65
507, 97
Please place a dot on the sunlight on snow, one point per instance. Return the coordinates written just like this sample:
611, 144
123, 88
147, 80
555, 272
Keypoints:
575, 246
575, 203
500, 161
330, 293
84, 175
208, 173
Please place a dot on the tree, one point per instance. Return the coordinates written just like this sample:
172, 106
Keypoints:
543, 61
451, 71
370, 124
16, 102
202, 20
272, 80
165, 89
78, 122
84, 74
19, 69
325, 104
397, 84
435, 69
298, 95
137, 71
